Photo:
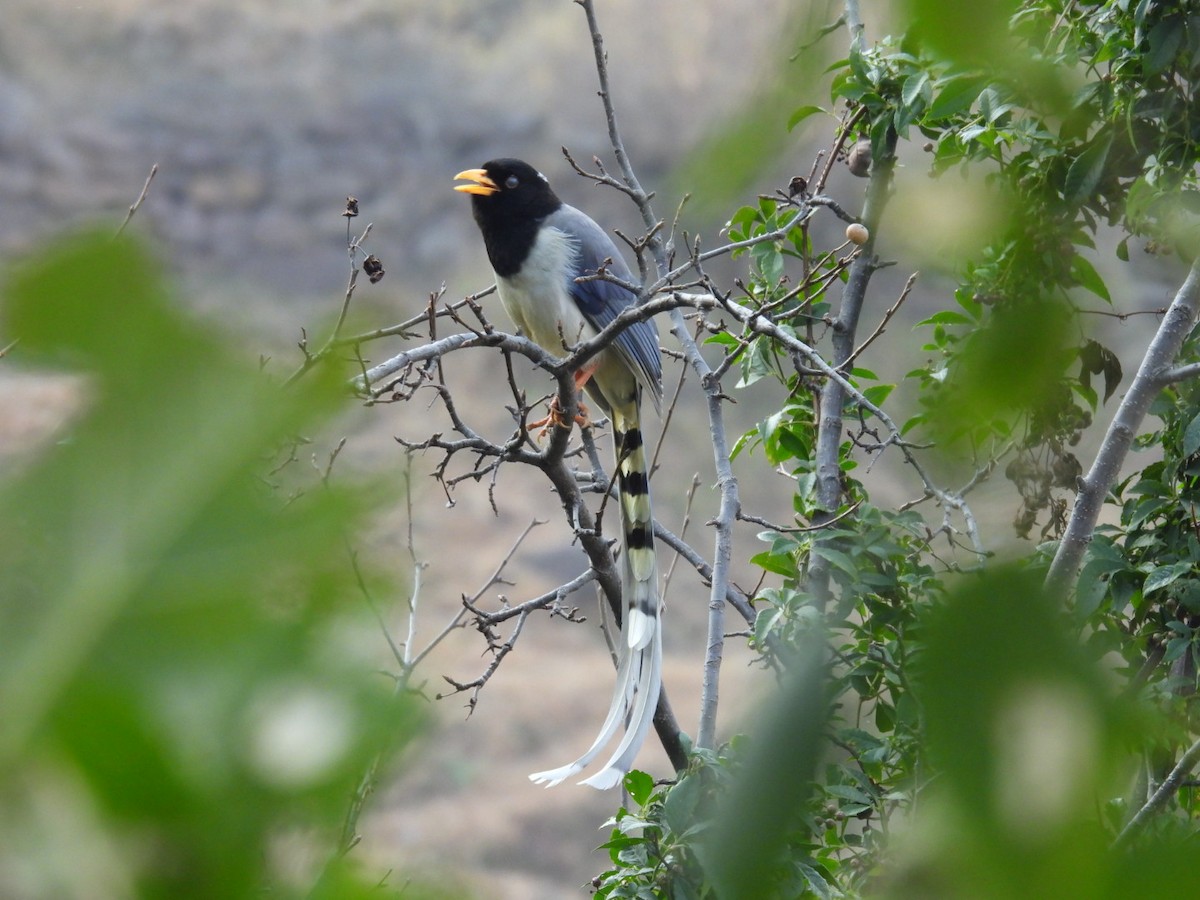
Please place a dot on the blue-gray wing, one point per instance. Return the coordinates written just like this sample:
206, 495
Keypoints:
602, 301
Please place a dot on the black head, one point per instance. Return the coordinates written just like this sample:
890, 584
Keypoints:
508, 190
509, 199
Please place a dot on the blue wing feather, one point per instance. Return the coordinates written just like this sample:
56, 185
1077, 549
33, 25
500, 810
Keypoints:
602, 301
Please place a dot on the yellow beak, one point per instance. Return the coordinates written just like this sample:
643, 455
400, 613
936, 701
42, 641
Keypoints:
483, 185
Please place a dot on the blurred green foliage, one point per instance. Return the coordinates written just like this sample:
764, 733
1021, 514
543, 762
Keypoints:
174, 700
1025, 745
975, 737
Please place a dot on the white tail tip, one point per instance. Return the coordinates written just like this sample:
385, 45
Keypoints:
551, 777
640, 628
605, 779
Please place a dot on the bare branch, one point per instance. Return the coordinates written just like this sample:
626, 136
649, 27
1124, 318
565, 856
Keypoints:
1180, 373
499, 651
1180, 319
683, 527
1160, 797
801, 529
614, 132
827, 457
494, 579
552, 600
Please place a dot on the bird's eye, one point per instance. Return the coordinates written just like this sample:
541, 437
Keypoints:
511, 182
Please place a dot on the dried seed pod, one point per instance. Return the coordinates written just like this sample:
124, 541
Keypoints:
374, 268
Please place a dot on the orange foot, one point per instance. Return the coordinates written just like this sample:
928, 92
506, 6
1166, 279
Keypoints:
557, 418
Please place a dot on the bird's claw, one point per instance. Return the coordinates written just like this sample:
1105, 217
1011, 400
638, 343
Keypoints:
556, 418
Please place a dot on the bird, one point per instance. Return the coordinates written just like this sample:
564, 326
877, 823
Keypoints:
539, 247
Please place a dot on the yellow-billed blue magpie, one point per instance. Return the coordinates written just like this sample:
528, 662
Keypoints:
538, 247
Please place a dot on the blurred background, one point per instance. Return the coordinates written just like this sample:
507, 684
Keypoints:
262, 117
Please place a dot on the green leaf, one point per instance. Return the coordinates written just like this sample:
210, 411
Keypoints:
764, 623
816, 882
971, 132
743, 217
773, 562
1162, 576
769, 260
1165, 40
1176, 647
801, 114
946, 317
837, 557
992, 106
916, 88
1086, 171
640, 786
1191, 437
757, 363
679, 808
955, 96
849, 792
878, 394
1087, 276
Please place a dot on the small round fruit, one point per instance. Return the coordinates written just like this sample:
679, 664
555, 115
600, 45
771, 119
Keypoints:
857, 234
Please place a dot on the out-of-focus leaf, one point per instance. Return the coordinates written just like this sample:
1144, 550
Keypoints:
975, 34
955, 95
1024, 733
801, 114
1165, 40
166, 620
1012, 363
751, 825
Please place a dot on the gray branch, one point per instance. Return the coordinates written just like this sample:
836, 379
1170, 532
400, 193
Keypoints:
845, 332
727, 482
1153, 374
1160, 797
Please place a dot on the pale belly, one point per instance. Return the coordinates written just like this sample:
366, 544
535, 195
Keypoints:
538, 302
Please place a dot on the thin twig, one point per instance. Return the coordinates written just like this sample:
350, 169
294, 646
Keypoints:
495, 578
137, 204
802, 529
887, 317
683, 527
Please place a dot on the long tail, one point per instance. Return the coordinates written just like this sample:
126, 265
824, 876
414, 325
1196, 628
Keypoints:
639, 669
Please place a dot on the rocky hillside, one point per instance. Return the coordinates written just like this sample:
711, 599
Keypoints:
264, 116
